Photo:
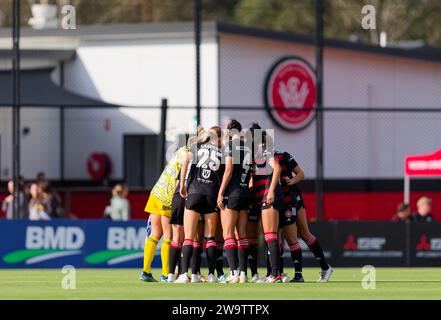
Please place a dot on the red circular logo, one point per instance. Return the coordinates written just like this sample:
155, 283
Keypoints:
290, 93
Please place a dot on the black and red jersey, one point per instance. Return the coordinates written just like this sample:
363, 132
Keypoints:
262, 176
242, 163
287, 164
206, 169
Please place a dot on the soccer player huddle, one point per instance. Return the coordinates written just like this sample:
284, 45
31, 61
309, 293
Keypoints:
218, 193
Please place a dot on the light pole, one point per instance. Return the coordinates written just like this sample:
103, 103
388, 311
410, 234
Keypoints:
319, 189
16, 106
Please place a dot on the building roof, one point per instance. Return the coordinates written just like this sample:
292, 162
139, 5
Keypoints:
38, 90
51, 54
186, 29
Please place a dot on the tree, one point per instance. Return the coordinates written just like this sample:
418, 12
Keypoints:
400, 19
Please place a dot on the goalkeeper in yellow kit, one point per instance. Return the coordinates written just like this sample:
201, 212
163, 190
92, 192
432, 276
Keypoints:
159, 207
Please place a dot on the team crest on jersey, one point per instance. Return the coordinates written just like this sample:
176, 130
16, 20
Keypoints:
290, 213
206, 173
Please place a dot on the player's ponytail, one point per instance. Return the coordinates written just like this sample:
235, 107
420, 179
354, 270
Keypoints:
203, 136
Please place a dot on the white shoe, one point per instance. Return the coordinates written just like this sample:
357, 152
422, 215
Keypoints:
255, 279
183, 278
264, 280
212, 278
232, 279
202, 277
243, 277
171, 278
195, 278
285, 278
325, 275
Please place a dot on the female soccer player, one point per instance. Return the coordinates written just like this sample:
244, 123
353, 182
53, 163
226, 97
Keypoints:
290, 182
159, 208
288, 216
267, 195
234, 201
203, 186
177, 220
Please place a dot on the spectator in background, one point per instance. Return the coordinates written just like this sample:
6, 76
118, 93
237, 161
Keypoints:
49, 198
37, 208
119, 209
41, 177
424, 210
7, 205
403, 213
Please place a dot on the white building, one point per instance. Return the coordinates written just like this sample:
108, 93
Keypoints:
138, 65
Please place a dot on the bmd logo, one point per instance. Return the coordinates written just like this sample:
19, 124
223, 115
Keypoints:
47, 243
290, 87
123, 244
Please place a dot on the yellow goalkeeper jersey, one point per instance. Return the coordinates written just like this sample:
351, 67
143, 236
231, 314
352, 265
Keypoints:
166, 185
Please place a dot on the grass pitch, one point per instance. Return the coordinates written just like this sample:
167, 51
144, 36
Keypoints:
391, 283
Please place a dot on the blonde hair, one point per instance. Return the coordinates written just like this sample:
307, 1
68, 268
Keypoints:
191, 140
203, 135
424, 200
215, 131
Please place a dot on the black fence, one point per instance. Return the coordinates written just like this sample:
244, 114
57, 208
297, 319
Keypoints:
380, 244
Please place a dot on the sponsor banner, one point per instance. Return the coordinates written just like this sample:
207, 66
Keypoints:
108, 244
379, 244
423, 165
324, 231
83, 244
425, 244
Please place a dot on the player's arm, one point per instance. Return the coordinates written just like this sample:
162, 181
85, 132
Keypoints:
298, 177
274, 163
228, 173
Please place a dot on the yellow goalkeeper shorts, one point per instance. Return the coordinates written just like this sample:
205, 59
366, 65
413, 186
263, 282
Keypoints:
155, 206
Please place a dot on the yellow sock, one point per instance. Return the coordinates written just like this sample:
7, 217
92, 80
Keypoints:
149, 253
165, 248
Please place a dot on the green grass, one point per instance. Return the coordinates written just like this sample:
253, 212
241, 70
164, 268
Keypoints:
392, 283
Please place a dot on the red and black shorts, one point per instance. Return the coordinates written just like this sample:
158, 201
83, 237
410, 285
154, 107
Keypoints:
201, 203
287, 216
299, 203
254, 213
237, 203
256, 210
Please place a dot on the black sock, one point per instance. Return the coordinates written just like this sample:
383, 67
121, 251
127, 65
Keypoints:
268, 262
180, 263
231, 251
315, 248
242, 249
281, 263
296, 256
196, 259
211, 254
187, 252
253, 253
274, 252
220, 258
174, 254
